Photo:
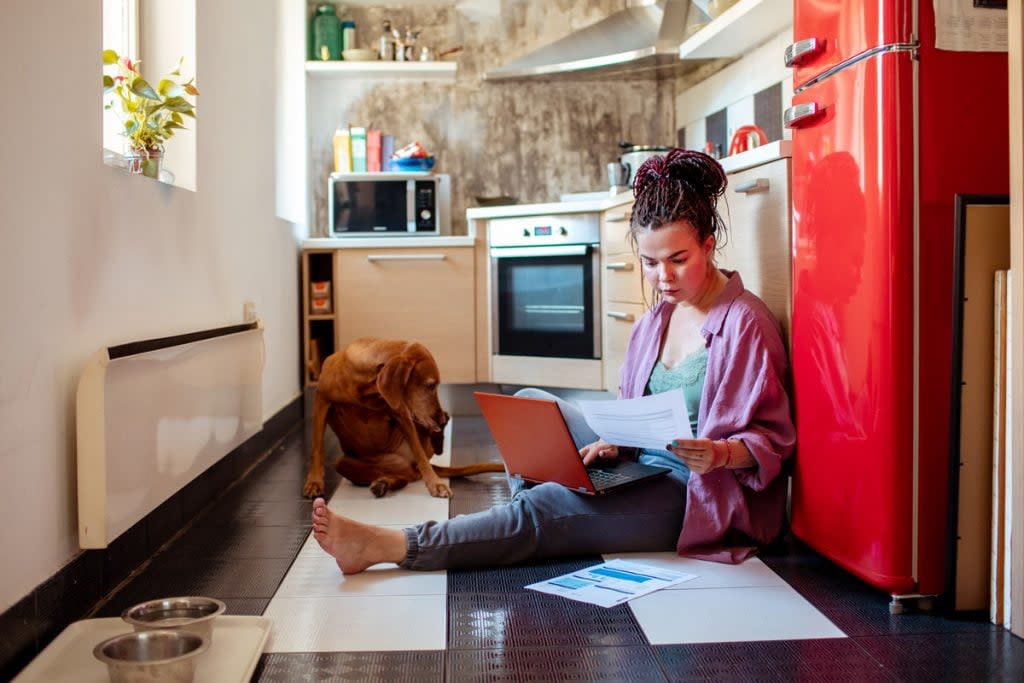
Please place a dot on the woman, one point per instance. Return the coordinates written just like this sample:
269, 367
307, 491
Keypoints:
705, 334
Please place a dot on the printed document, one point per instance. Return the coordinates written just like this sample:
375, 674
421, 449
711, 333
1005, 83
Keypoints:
611, 583
646, 422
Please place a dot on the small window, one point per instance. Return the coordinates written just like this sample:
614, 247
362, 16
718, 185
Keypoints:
158, 36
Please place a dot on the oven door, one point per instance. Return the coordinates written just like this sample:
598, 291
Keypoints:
545, 301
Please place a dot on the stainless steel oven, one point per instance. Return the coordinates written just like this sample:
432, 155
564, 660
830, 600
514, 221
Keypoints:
546, 286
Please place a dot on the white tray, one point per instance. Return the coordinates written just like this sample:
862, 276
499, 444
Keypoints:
233, 655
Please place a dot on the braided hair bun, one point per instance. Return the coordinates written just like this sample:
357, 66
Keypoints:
682, 185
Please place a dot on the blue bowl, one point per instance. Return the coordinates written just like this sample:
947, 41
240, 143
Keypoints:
411, 165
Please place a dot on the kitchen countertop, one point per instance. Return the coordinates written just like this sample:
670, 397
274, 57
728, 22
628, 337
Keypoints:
755, 157
396, 242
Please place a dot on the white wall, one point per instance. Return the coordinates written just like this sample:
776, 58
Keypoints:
90, 256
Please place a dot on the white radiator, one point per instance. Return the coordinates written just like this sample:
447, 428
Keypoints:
152, 415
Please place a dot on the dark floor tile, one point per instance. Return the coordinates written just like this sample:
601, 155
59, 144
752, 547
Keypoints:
834, 659
239, 511
382, 667
222, 579
512, 579
253, 607
534, 620
240, 542
993, 656
630, 663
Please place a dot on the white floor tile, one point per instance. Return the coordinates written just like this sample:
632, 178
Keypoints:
358, 623
747, 574
315, 573
411, 505
715, 615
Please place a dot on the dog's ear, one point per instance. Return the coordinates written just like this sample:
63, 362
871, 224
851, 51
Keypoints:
392, 380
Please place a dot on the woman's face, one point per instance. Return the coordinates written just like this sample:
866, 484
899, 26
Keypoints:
675, 263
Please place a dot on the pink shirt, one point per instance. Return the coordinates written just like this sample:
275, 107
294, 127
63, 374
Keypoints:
729, 512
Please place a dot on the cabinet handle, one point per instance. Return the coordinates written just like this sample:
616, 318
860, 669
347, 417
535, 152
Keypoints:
405, 257
628, 317
752, 186
616, 217
619, 265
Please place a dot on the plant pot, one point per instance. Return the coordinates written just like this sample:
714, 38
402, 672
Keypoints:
145, 162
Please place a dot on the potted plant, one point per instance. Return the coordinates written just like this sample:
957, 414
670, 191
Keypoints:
150, 115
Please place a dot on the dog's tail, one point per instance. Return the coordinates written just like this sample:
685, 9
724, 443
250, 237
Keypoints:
468, 470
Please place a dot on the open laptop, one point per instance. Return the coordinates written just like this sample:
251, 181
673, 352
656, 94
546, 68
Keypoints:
536, 446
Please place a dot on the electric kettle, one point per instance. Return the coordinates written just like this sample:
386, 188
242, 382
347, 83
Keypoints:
747, 137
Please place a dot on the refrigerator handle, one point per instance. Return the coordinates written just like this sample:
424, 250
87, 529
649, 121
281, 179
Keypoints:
801, 113
752, 186
801, 50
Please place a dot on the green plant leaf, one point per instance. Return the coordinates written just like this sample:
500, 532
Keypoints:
108, 82
143, 89
169, 88
109, 57
176, 117
178, 104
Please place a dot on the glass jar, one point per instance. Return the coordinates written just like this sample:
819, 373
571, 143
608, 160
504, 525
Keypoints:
326, 34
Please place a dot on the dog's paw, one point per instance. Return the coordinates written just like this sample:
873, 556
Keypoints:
379, 488
313, 488
439, 489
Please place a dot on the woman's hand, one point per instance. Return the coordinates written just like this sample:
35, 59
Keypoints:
701, 455
598, 450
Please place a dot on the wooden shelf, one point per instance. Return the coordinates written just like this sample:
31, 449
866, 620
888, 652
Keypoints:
421, 70
739, 29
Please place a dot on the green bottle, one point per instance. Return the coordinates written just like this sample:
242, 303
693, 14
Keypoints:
326, 34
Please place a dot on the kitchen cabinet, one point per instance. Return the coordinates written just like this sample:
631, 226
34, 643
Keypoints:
756, 211
623, 292
740, 28
423, 294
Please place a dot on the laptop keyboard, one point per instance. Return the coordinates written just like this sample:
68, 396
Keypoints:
603, 478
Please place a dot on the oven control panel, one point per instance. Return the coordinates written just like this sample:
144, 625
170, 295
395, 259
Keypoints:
524, 231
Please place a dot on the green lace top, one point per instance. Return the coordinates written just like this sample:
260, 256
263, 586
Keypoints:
688, 375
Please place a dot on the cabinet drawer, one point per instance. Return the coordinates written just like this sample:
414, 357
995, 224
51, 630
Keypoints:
614, 228
622, 279
617, 325
759, 243
423, 295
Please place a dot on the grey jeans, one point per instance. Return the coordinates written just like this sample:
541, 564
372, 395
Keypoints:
549, 520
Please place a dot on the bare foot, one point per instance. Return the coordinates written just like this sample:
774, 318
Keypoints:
354, 545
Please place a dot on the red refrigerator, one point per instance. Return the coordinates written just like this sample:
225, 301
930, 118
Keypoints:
886, 130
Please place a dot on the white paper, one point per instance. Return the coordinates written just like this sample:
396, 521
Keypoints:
962, 27
646, 422
611, 583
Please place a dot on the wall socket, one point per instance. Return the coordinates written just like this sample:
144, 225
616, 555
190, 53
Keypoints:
249, 311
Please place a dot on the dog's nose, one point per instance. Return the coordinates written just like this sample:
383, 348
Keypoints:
442, 419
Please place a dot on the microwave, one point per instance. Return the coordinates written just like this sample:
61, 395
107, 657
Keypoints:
372, 204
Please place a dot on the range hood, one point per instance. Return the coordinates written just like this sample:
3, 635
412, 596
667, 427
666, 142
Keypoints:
643, 37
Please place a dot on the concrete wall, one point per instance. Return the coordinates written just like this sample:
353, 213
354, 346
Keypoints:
92, 257
526, 139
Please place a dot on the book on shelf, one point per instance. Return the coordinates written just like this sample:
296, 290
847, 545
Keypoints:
358, 134
342, 150
373, 157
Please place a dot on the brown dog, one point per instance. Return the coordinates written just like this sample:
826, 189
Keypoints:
380, 398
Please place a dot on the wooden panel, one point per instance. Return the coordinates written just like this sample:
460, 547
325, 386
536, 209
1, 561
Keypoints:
622, 279
997, 594
577, 373
985, 249
619, 319
482, 284
758, 243
422, 294
614, 228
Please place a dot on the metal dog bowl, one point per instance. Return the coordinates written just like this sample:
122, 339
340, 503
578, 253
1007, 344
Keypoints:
193, 614
152, 656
